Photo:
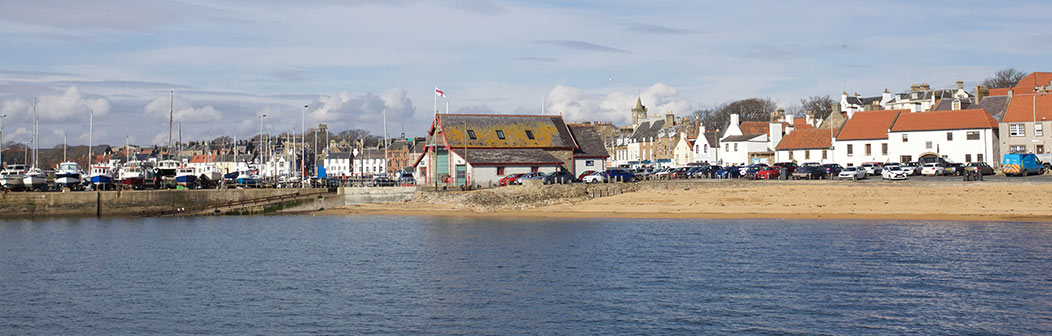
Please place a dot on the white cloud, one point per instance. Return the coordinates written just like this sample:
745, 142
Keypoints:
342, 110
70, 105
184, 110
577, 105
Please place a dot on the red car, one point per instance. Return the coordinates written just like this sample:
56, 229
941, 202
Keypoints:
509, 179
585, 173
767, 173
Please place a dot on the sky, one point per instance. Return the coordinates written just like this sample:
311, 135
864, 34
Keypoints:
230, 62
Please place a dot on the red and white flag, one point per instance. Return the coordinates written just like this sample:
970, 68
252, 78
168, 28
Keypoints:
439, 92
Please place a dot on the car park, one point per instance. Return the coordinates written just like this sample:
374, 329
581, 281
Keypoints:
872, 168
767, 173
911, 168
751, 170
596, 177
585, 173
981, 167
618, 175
933, 169
893, 173
559, 177
790, 166
833, 169
529, 176
510, 179
729, 172
956, 169
853, 173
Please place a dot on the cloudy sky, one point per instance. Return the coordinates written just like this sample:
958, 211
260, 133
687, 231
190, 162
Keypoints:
231, 61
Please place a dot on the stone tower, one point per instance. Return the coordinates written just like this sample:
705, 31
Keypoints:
639, 113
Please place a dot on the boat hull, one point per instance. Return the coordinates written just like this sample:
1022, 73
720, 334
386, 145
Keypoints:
12, 182
34, 182
185, 180
101, 179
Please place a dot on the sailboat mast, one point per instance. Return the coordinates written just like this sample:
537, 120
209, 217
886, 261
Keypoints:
91, 127
171, 114
63, 147
36, 124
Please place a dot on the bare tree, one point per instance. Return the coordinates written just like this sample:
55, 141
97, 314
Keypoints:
822, 106
1007, 77
752, 109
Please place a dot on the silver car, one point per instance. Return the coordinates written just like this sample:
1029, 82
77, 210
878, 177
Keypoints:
853, 173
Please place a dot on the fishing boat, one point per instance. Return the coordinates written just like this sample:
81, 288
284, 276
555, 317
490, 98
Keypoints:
35, 179
136, 175
11, 178
186, 177
166, 169
101, 176
68, 173
248, 178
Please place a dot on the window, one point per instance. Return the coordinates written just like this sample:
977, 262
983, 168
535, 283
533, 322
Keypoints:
790, 155
884, 149
949, 136
471, 134
850, 150
927, 145
905, 138
589, 163
1039, 129
968, 158
529, 134
705, 148
500, 171
979, 157
869, 149
1040, 149
905, 158
726, 147
824, 155
1016, 130
807, 154
972, 135
500, 134
735, 147
534, 169
1017, 149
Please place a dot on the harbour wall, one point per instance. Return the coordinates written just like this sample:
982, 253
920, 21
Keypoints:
125, 203
363, 195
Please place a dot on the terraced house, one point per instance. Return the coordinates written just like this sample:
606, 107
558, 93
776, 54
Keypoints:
477, 150
1025, 125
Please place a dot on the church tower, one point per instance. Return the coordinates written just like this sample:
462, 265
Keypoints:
639, 113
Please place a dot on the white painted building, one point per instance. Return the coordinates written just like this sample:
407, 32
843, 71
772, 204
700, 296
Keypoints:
367, 162
864, 138
954, 135
338, 164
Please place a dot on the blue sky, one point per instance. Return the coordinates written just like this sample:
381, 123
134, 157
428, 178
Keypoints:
230, 61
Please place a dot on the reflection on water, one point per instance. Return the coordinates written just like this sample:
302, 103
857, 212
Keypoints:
353, 275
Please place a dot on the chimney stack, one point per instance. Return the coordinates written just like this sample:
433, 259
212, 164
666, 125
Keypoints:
670, 119
960, 85
734, 119
925, 87
980, 93
914, 88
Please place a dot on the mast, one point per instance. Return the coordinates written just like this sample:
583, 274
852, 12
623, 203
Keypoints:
235, 151
171, 115
180, 144
63, 147
91, 127
385, 134
36, 124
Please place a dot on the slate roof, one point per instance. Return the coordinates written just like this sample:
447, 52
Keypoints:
340, 156
647, 130
865, 125
812, 138
711, 137
854, 100
524, 156
548, 131
588, 141
995, 106
739, 138
944, 120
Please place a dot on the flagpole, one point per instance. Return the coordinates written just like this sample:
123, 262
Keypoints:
436, 99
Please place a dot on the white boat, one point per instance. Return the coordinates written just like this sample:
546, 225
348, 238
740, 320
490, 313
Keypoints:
208, 174
136, 175
186, 177
101, 176
11, 178
165, 169
35, 179
69, 175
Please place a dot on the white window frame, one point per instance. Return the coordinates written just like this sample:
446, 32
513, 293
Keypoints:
1016, 130
1039, 129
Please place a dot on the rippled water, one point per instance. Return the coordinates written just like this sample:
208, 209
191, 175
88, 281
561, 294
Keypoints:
407, 275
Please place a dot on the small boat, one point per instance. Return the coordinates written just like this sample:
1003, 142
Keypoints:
165, 170
68, 175
35, 179
13, 176
249, 178
101, 176
136, 175
186, 177
208, 175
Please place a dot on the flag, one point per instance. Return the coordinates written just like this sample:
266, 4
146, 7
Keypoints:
439, 92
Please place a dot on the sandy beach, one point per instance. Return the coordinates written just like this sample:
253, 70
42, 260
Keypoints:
774, 199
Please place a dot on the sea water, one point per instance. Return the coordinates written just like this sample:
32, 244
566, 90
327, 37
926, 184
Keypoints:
420, 275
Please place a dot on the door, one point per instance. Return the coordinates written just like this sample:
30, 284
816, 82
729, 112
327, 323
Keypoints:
462, 175
442, 163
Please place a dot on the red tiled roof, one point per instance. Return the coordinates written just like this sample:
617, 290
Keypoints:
805, 139
865, 125
1034, 79
1021, 108
944, 120
999, 92
202, 158
757, 127
801, 123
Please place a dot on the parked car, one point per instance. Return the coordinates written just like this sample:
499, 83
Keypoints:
596, 177
854, 173
767, 173
791, 166
559, 177
1021, 165
529, 176
618, 175
510, 179
933, 169
729, 172
407, 179
585, 173
383, 181
751, 170
956, 169
982, 167
833, 169
893, 173
911, 168
872, 168
810, 171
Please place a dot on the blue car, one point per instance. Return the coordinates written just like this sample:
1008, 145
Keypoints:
729, 172
615, 175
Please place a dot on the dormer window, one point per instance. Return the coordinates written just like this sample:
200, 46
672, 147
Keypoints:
529, 134
471, 134
500, 134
